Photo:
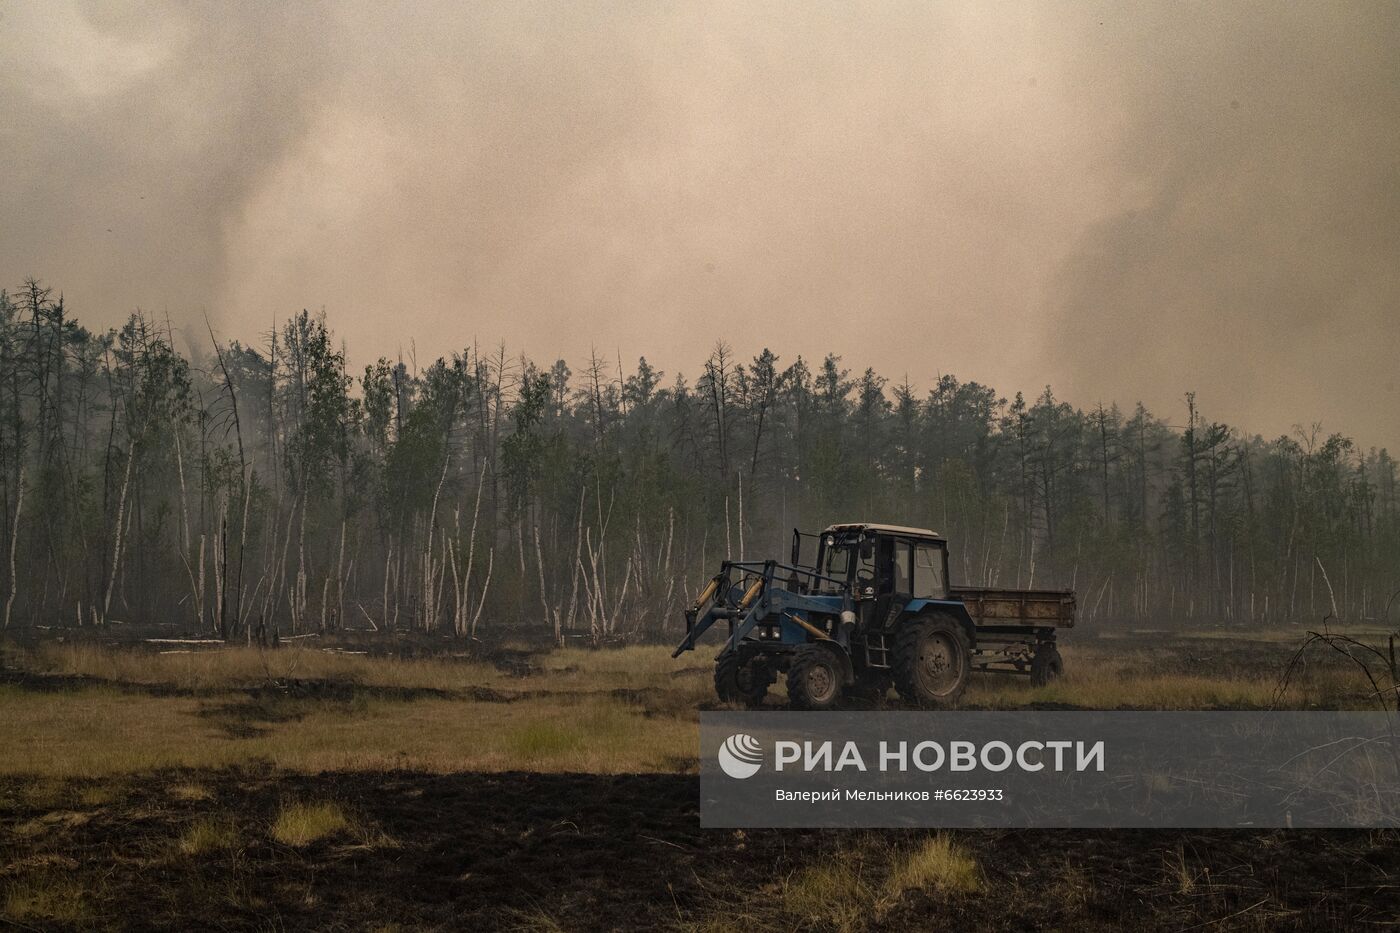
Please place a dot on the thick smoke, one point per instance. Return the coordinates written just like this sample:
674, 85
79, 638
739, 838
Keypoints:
1127, 203
132, 133
1255, 260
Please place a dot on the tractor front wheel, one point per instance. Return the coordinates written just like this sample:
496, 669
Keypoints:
815, 679
740, 679
932, 661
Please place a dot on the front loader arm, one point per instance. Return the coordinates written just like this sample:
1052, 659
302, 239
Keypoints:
744, 626
747, 611
761, 600
696, 628
695, 623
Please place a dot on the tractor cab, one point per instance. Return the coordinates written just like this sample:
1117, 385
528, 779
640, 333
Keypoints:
884, 567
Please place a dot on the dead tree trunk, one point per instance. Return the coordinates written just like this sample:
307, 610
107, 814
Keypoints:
14, 547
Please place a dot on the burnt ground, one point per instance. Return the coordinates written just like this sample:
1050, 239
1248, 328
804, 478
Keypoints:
513, 651
593, 852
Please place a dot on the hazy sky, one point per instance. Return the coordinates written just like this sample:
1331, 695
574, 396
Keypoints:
1124, 200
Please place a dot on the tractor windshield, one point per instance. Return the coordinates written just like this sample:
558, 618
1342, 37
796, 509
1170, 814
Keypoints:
838, 560
839, 557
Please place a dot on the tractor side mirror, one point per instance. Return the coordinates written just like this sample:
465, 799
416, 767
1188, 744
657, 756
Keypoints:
796, 548
867, 548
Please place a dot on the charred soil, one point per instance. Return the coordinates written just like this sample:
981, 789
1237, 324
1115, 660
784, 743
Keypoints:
594, 852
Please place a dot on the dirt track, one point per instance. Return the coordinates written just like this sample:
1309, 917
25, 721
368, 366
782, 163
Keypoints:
589, 852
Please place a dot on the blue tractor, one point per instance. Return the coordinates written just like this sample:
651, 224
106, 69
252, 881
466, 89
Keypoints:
873, 610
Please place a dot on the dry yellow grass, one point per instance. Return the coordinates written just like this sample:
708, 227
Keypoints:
53, 820
1108, 678
567, 669
833, 894
42, 794
612, 711
1107, 675
46, 897
103, 732
208, 834
1100, 690
939, 863
1274, 634
300, 824
1181, 875
96, 795
856, 886
205, 668
189, 792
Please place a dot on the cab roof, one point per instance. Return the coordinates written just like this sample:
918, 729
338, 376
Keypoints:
884, 529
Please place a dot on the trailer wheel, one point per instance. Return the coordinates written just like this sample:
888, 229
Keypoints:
1046, 664
740, 679
932, 661
815, 678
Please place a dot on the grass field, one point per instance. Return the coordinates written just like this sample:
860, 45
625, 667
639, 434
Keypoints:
88, 710
315, 788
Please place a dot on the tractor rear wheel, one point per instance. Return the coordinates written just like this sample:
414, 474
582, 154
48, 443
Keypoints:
932, 661
741, 679
1046, 664
815, 679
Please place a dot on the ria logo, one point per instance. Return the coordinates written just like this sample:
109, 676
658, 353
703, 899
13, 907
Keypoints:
741, 756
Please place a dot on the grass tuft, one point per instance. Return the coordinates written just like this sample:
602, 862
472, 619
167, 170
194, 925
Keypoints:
832, 894
209, 834
824, 897
189, 792
1180, 875
44, 794
300, 824
46, 897
939, 863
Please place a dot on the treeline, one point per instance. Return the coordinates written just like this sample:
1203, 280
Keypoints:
243, 489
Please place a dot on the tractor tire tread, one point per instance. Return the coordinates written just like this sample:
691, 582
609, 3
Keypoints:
730, 689
802, 663
905, 668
